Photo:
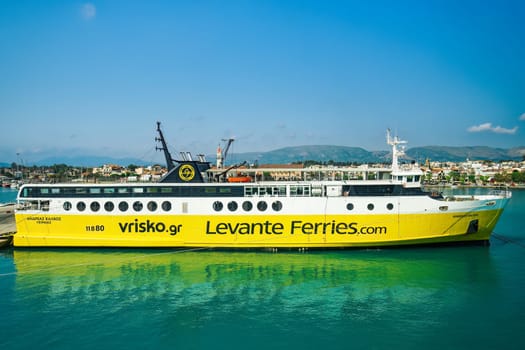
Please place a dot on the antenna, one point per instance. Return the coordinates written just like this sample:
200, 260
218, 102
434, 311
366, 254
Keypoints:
396, 152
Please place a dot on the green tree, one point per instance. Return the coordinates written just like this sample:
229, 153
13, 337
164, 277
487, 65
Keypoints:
518, 176
502, 177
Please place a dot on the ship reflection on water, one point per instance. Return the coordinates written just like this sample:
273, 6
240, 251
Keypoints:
241, 294
292, 279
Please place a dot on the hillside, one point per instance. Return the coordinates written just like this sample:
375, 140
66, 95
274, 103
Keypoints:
360, 155
459, 154
317, 153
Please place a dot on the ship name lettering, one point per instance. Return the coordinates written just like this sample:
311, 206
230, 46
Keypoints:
245, 228
333, 227
148, 226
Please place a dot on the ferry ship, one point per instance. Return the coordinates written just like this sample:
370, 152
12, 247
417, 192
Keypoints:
193, 206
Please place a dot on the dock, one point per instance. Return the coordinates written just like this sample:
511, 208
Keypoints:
7, 223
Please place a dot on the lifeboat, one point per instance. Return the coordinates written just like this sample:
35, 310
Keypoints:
240, 179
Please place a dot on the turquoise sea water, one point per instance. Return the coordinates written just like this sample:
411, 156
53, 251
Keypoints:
410, 298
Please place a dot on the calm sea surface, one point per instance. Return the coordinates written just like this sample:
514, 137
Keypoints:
410, 298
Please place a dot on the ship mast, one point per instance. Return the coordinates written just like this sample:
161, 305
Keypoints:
169, 160
396, 152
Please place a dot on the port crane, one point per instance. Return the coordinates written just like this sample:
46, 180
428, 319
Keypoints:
221, 155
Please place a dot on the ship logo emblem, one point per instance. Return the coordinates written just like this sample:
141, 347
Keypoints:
186, 172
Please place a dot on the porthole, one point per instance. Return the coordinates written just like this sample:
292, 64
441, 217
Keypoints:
217, 206
232, 206
109, 206
166, 206
370, 206
262, 206
247, 206
67, 206
95, 206
123, 206
390, 206
81, 206
277, 205
152, 206
137, 206
350, 206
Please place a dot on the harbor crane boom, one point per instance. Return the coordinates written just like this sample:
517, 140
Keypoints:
228, 144
169, 160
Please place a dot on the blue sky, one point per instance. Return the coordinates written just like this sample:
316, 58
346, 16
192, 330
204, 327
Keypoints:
93, 77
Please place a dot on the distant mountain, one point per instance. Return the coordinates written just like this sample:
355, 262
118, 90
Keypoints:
90, 161
459, 154
360, 155
317, 153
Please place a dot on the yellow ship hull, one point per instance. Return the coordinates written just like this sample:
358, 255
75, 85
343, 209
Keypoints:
245, 231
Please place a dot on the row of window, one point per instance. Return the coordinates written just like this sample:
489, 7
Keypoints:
247, 206
133, 191
276, 206
370, 206
166, 206
296, 190
166, 191
122, 206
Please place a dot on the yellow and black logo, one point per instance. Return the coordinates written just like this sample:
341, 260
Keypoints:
186, 172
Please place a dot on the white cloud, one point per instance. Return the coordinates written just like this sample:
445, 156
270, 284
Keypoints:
522, 117
479, 128
495, 129
88, 11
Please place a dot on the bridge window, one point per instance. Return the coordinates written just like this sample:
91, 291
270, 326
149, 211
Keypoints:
251, 191
300, 190
210, 190
166, 190
94, 190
